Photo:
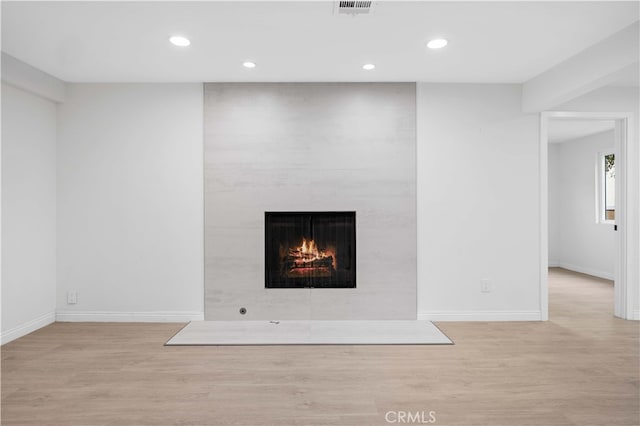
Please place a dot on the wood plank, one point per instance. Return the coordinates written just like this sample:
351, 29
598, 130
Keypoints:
580, 368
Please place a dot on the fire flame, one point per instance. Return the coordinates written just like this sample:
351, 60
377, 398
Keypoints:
308, 260
310, 249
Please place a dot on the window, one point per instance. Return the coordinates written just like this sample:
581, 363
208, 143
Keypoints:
607, 188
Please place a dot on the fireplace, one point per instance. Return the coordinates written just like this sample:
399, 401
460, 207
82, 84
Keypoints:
310, 249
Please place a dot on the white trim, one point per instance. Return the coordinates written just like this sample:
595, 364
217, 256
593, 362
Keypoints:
108, 316
554, 264
480, 316
543, 220
623, 307
636, 315
593, 272
28, 327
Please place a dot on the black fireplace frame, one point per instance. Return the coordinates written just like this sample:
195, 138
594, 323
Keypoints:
272, 282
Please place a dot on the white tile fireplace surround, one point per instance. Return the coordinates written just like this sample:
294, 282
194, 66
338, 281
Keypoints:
273, 147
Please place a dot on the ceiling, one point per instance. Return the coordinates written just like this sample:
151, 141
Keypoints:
564, 130
489, 42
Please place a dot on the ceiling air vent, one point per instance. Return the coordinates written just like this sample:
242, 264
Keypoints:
353, 7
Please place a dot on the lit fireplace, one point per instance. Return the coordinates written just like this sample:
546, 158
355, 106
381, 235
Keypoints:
308, 261
310, 249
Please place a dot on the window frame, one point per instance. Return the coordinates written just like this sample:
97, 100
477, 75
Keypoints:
601, 202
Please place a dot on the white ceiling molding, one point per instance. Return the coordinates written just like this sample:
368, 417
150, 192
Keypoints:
30, 79
595, 67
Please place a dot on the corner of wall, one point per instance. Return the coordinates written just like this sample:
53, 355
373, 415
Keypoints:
28, 327
25, 77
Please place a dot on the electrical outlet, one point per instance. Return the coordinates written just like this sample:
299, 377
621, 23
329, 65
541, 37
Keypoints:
72, 297
485, 286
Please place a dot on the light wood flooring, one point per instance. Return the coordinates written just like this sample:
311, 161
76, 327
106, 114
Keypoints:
579, 368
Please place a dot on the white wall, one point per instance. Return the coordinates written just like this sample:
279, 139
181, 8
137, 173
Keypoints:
582, 244
28, 212
130, 221
622, 99
554, 204
478, 209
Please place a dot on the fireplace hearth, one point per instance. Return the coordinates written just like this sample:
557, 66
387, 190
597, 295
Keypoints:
310, 250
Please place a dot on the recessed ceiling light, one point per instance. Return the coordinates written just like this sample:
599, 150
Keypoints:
249, 64
437, 43
368, 67
180, 41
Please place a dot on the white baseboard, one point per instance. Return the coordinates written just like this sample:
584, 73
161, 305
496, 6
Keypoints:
28, 327
553, 264
105, 316
636, 315
588, 271
480, 316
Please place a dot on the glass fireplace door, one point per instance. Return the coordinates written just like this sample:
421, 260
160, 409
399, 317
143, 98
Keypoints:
310, 250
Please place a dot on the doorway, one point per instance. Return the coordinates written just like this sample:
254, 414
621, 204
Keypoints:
610, 225
581, 197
